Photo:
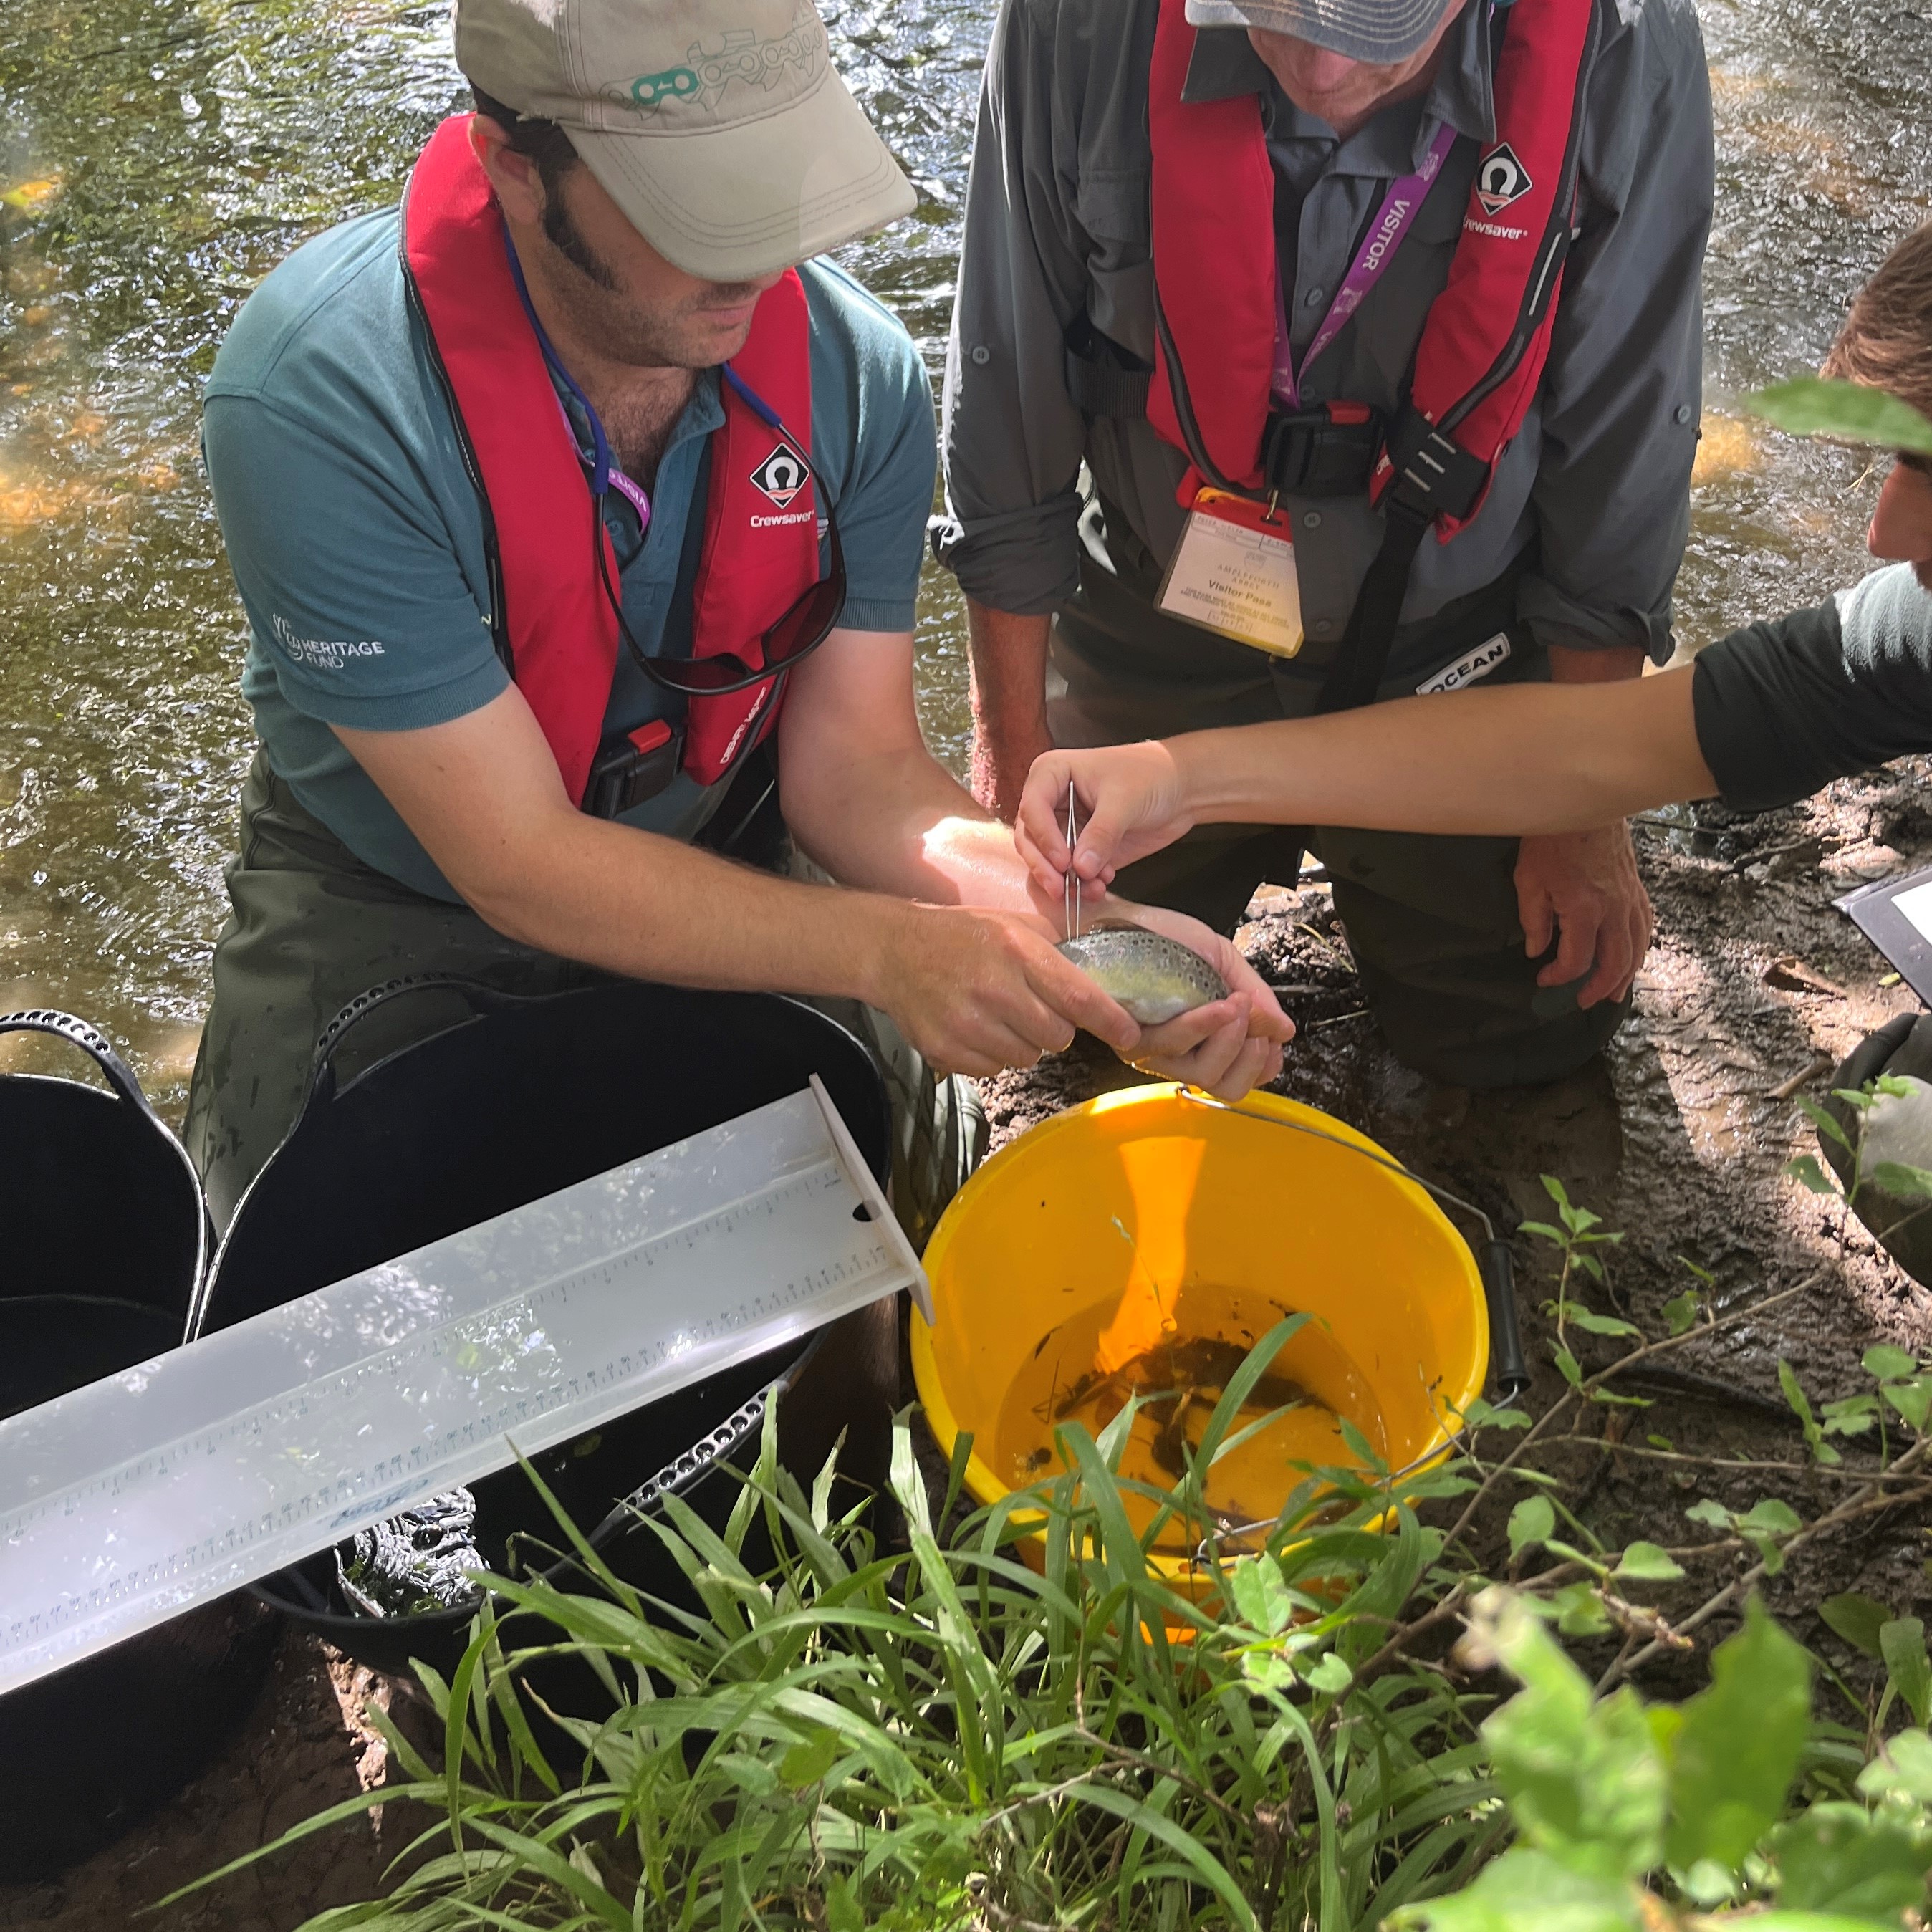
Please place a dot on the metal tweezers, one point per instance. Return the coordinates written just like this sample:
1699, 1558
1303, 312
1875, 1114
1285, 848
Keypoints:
1070, 880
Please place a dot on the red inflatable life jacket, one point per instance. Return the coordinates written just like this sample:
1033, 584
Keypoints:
759, 555
1487, 335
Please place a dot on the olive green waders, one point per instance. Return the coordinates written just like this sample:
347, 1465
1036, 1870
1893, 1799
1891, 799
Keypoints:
1432, 921
313, 926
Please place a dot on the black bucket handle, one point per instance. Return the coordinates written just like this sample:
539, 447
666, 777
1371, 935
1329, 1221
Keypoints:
1509, 1373
120, 1077
483, 997
322, 1087
91, 1041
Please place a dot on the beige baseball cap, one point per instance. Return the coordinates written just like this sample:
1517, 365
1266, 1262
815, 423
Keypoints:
718, 126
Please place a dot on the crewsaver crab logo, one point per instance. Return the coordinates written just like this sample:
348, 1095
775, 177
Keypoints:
782, 475
1500, 178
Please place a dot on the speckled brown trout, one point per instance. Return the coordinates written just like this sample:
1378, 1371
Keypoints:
1155, 979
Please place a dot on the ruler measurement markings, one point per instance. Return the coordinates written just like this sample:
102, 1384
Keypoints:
823, 1173
529, 1332
532, 1405
403, 1355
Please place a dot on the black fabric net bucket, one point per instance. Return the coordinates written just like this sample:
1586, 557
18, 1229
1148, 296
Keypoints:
103, 1243
493, 1099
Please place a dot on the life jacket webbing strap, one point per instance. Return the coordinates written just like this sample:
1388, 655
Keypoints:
1482, 349
1356, 675
1429, 477
549, 613
1097, 388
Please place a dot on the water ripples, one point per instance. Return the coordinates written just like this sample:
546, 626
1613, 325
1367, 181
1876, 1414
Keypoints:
161, 159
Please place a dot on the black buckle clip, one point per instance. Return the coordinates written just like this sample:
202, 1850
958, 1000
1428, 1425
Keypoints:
1435, 476
1327, 451
624, 775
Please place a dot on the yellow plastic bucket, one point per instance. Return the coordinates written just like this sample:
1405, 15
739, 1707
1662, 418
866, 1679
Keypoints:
1088, 1218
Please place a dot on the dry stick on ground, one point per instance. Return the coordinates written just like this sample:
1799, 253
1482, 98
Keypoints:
981, 1893
1836, 1475
1788, 1090
1451, 1601
1580, 1394
1669, 1635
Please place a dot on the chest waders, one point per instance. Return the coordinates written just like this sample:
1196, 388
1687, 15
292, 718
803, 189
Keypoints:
1433, 922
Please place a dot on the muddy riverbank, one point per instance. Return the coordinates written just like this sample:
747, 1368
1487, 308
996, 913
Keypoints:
1677, 1137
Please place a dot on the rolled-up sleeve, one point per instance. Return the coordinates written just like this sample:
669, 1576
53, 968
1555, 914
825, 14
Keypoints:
1012, 440
1620, 400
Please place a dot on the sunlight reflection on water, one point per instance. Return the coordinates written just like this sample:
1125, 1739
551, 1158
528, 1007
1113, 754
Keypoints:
155, 162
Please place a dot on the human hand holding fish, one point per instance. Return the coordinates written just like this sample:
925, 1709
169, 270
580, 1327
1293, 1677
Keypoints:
976, 989
1208, 1018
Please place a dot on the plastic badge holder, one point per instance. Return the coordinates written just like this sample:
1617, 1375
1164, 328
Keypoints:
124, 1503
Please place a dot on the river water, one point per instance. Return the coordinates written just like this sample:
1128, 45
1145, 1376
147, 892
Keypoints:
158, 156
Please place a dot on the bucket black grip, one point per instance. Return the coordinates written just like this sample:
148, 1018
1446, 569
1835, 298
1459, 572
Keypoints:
1508, 1372
484, 998
91, 1040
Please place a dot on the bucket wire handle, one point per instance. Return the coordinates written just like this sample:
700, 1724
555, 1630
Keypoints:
1494, 1261
120, 1077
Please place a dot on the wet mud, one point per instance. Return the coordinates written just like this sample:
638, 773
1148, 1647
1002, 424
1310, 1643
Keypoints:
1677, 1136
306, 1746
152, 169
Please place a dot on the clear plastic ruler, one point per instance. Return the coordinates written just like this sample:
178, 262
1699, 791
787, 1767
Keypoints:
127, 1501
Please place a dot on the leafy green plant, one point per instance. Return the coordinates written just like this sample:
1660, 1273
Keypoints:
1028, 1721
1903, 1183
1646, 1817
948, 1735
1849, 412
1577, 1235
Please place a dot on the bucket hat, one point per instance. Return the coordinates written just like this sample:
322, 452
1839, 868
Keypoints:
718, 127
1380, 32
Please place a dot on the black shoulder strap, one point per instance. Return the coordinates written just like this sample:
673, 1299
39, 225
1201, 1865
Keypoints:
1434, 477
1103, 379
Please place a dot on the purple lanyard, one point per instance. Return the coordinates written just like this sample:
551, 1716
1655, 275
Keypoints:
604, 474
1398, 208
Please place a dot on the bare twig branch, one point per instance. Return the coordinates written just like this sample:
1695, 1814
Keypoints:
1871, 1499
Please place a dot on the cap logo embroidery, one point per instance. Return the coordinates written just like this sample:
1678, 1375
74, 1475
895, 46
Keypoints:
740, 55
1500, 178
782, 475
675, 83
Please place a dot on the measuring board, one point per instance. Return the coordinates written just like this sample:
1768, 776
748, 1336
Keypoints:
127, 1501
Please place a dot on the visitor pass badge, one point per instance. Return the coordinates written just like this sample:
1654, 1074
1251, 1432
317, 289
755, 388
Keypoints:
1233, 572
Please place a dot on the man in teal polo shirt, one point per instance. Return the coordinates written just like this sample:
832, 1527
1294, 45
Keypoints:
640, 176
